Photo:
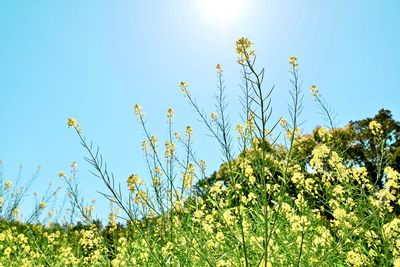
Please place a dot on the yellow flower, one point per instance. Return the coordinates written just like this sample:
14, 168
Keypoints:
74, 165
202, 164
133, 182
293, 133
170, 113
188, 176
214, 116
72, 122
42, 205
219, 68
244, 49
314, 91
138, 111
169, 149
188, 131
293, 61
157, 170
88, 209
7, 251
141, 197
240, 131
166, 250
355, 259
156, 181
8, 184
269, 264
283, 122
375, 127
216, 188
219, 236
61, 174
339, 213
184, 86
145, 146
154, 141
15, 211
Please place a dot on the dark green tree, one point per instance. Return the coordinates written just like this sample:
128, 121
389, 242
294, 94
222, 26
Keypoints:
366, 149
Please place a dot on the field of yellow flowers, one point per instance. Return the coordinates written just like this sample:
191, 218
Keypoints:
296, 202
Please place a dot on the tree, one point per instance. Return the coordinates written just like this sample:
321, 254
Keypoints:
370, 151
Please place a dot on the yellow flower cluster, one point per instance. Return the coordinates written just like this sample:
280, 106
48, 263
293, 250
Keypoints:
184, 88
188, 176
8, 184
244, 49
72, 122
141, 197
293, 61
138, 111
376, 128
314, 91
170, 113
214, 116
169, 149
134, 181
189, 132
219, 68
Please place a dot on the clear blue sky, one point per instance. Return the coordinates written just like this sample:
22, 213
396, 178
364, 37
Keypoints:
94, 59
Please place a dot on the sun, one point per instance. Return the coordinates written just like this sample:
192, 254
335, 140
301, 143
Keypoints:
224, 11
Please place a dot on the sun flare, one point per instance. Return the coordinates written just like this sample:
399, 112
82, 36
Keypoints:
223, 11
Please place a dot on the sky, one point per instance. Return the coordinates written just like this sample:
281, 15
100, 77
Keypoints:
93, 60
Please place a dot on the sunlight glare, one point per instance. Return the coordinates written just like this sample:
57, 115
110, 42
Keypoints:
222, 10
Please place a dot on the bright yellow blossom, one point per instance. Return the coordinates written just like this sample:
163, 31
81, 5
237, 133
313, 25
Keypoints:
375, 127
244, 49
293, 61
8, 184
42, 205
170, 113
314, 91
72, 122
184, 86
219, 68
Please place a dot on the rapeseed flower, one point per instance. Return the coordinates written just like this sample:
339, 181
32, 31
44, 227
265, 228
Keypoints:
188, 132
214, 116
72, 122
170, 113
375, 127
202, 164
138, 110
141, 197
154, 141
42, 205
244, 49
8, 184
219, 68
74, 165
293, 61
184, 86
133, 182
314, 91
